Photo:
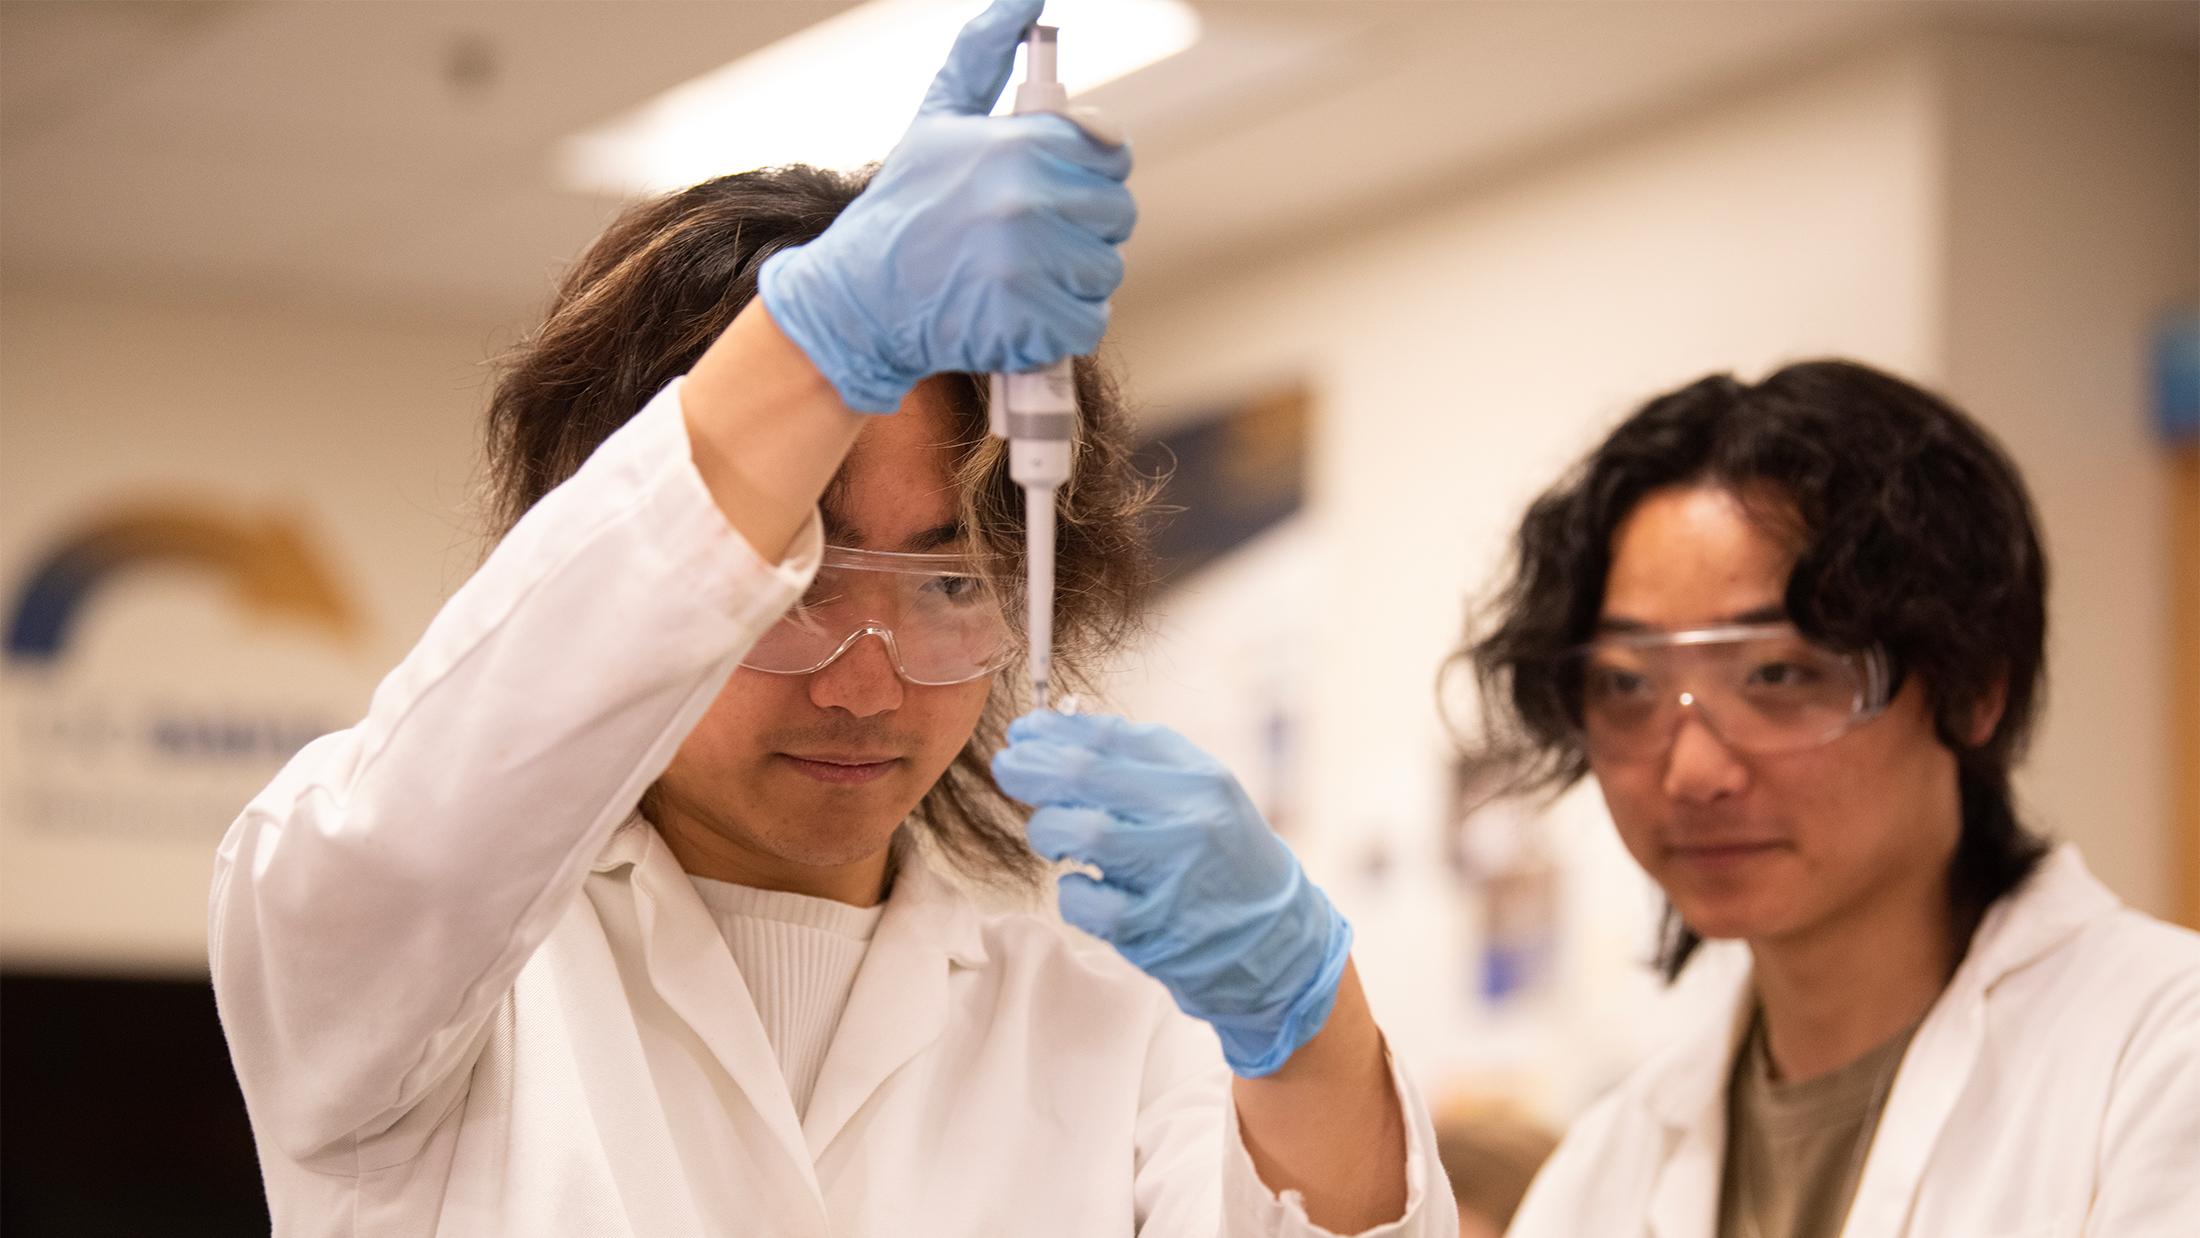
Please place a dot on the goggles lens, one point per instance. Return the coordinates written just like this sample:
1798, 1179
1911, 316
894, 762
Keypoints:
1761, 689
938, 614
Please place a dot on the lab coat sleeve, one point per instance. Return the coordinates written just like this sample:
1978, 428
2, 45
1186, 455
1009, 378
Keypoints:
2149, 1175
375, 903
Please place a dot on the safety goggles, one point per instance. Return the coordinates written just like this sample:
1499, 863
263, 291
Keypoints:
938, 614
1761, 688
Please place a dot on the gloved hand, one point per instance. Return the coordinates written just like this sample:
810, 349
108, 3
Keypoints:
984, 244
1196, 890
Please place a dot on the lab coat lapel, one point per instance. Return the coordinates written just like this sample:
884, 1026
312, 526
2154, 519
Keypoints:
2059, 900
1684, 1203
898, 1006
691, 968
1934, 1071
1688, 1095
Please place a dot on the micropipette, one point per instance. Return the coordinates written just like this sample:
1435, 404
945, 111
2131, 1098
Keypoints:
1036, 411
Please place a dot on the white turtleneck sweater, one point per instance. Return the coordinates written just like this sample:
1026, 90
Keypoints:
799, 955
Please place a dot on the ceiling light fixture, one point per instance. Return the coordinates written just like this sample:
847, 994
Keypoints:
839, 93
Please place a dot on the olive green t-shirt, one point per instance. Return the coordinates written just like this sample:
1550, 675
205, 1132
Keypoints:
1794, 1151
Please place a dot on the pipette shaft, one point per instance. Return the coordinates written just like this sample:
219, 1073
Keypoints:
1037, 413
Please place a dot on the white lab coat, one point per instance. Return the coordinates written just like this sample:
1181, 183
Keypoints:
469, 993
2052, 1091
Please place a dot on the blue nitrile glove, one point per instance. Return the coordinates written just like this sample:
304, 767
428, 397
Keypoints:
984, 244
1196, 890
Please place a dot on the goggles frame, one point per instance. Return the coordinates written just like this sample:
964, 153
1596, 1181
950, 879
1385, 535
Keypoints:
1875, 685
981, 569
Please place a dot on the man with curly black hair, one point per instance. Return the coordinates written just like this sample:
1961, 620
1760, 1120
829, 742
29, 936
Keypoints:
1796, 629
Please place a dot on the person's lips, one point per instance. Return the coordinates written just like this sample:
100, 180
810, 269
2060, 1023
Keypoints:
845, 769
1723, 852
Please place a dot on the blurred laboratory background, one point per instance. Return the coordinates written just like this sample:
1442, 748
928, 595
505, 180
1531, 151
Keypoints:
1399, 262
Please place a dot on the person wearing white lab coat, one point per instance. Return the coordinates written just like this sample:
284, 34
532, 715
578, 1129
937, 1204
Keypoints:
2050, 1091
610, 919
1796, 630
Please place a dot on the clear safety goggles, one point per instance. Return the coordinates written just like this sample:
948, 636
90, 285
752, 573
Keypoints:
1761, 688
939, 615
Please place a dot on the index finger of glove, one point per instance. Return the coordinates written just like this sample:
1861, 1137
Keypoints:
979, 63
1112, 735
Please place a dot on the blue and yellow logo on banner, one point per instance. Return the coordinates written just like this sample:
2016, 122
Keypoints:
265, 560
162, 727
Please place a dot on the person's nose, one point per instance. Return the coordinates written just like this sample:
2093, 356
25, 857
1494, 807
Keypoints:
861, 681
1701, 768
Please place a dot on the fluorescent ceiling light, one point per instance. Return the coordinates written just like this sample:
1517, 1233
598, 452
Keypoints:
838, 94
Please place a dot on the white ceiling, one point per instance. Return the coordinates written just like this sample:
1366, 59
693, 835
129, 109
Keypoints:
396, 154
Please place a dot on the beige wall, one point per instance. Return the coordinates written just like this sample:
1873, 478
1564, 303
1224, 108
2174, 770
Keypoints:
2073, 224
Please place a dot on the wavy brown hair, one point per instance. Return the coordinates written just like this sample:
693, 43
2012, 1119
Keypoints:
1915, 534
640, 308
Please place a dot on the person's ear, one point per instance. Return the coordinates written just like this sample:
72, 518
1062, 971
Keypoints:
1986, 712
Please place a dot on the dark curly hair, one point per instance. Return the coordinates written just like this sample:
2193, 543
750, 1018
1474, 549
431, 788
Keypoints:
1914, 534
640, 308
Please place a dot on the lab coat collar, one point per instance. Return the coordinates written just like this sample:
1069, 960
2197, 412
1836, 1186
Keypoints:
1687, 1085
933, 900
686, 961
1687, 1091
899, 1004
897, 1008
933, 905
2060, 900
626, 844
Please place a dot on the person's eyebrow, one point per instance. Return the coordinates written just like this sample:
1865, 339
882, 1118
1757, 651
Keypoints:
1621, 625
840, 531
1775, 613
933, 538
